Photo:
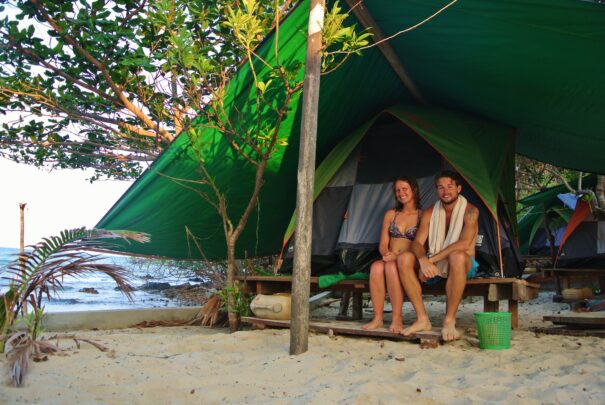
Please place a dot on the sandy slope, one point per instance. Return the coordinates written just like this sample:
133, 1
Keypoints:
199, 366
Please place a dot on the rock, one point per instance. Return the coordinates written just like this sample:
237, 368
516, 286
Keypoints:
89, 290
183, 286
128, 287
153, 286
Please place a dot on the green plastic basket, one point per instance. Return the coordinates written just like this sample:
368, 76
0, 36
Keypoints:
493, 329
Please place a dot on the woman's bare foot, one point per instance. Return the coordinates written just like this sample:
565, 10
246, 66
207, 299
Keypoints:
375, 324
396, 327
449, 332
420, 325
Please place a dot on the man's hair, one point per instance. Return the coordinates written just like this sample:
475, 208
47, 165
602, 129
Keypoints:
448, 174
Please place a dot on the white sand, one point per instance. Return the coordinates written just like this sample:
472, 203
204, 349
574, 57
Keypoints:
203, 366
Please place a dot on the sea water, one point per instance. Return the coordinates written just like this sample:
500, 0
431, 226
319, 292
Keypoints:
71, 299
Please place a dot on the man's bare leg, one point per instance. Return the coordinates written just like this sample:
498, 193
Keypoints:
412, 288
459, 264
377, 294
396, 295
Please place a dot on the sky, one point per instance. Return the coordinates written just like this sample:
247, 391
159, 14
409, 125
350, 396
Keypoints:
57, 200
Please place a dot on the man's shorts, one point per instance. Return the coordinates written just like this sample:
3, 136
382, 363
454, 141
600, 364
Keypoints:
472, 273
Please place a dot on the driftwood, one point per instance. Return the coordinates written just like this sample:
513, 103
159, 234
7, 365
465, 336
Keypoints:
209, 315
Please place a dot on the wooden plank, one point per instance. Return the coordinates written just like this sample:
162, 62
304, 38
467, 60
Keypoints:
571, 272
497, 292
568, 331
585, 319
351, 328
315, 280
524, 291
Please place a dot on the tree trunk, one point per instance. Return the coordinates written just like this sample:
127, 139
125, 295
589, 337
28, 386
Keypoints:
299, 326
549, 236
233, 317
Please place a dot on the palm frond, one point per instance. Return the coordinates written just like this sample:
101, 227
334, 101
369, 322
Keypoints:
43, 269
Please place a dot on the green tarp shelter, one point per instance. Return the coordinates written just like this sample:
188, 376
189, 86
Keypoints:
535, 66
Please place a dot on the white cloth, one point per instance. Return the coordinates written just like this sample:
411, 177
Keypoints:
438, 240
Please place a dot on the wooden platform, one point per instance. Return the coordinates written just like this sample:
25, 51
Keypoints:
587, 319
427, 340
493, 290
564, 278
568, 331
582, 324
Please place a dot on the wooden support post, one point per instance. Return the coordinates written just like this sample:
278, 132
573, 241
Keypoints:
367, 21
521, 291
22, 235
490, 306
299, 328
357, 306
344, 304
497, 292
513, 308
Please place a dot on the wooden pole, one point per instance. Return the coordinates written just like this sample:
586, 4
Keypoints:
367, 21
22, 234
299, 325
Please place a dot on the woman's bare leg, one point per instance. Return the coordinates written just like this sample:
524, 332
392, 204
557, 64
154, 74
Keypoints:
396, 295
377, 293
411, 285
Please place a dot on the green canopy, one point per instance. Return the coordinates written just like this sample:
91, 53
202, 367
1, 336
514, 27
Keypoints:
534, 66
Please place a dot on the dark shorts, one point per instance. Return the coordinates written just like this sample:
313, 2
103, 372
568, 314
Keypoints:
472, 273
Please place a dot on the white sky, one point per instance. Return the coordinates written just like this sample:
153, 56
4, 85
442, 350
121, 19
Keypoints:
57, 200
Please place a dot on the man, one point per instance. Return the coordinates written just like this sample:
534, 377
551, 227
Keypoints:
450, 227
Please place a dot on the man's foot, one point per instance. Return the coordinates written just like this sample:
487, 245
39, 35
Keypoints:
418, 326
396, 327
449, 331
375, 324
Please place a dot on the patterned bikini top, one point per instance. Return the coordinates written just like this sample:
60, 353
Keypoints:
409, 234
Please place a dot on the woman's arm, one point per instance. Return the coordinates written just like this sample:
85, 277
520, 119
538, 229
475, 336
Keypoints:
383, 246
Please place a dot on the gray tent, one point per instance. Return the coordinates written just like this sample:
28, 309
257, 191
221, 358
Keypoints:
348, 210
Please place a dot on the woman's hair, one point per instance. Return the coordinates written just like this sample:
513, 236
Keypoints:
415, 189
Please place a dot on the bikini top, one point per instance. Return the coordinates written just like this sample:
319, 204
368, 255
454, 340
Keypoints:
409, 234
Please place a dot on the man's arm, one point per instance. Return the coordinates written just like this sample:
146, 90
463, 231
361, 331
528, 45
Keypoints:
467, 235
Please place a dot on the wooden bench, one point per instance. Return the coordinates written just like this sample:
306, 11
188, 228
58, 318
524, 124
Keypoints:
565, 277
493, 290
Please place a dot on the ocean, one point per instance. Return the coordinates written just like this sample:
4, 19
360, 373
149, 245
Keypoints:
72, 299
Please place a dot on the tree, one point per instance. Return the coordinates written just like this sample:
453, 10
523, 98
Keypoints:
251, 124
109, 84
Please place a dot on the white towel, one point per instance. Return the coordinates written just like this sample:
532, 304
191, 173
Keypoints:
438, 240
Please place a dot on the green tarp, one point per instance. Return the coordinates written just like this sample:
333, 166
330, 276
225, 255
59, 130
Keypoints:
534, 66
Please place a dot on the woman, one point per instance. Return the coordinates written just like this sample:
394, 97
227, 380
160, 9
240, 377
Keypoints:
399, 227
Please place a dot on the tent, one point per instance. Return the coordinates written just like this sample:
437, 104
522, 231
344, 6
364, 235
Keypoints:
579, 234
583, 243
534, 66
354, 186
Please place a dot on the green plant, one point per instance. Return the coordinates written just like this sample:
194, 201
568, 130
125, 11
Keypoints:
40, 272
241, 300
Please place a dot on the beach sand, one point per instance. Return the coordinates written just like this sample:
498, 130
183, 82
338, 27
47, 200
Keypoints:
194, 365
